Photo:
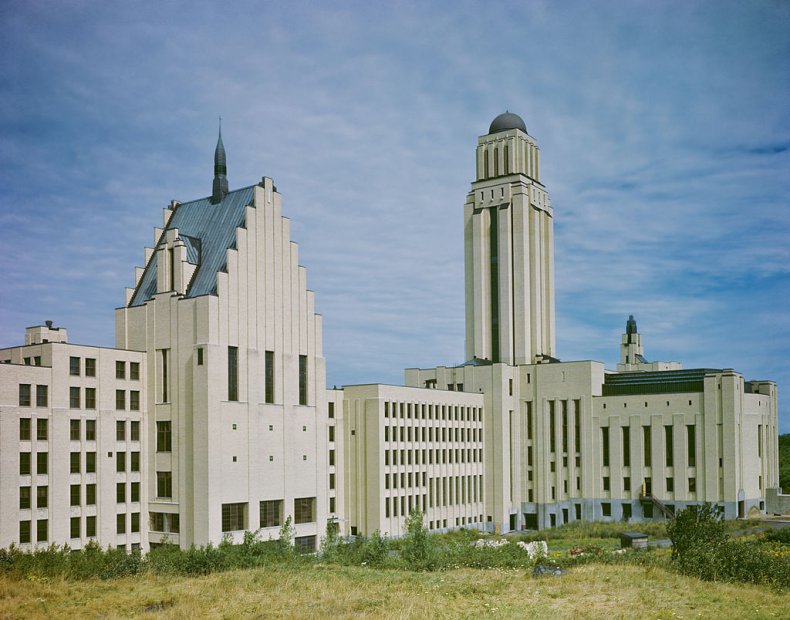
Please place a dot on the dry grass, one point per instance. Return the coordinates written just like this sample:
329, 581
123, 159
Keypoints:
592, 591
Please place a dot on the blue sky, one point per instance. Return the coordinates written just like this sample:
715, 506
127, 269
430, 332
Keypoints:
664, 129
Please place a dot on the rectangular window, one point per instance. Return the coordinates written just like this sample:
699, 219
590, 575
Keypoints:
42, 462
577, 409
163, 437
332, 409
42, 396
626, 446
565, 426
74, 495
90, 398
42, 530
606, 483
304, 544
302, 379
268, 371
670, 485
135, 522
165, 377
24, 429
134, 400
41, 429
120, 400
120, 430
234, 517
24, 531
692, 485
24, 498
646, 446
200, 356
74, 366
24, 395
134, 371
120, 369
332, 433
233, 373
135, 492
74, 529
691, 440
74, 397
552, 428
120, 461
90, 526
90, 497
120, 523
74, 430
135, 461
332, 481
90, 367
24, 463
606, 509
331, 457
135, 431
74, 463
627, 484
304, 510
605, 445
668, 445
120, 492
271, 513
164, 484
90, 430
90, 463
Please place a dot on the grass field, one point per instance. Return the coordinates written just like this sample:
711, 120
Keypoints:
318, 591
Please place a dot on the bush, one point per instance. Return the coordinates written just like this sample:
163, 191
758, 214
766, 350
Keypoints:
693, 527
781, 536
418, 549
374, 550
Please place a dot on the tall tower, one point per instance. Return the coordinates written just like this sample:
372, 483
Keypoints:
509, 249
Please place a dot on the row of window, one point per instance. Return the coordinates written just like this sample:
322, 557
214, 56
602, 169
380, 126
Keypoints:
404, 433
75, 495
647, 451
75, 367
268, 375
422, 411
25, 395
234, 516
429, 457
42, 527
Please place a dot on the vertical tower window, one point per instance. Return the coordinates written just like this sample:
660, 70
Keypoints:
626, 447
507, 160
577, 406
668, 445
692, 444
605, 445
165, 377
646, 447
269, 377
494, 280
552, 428
164, 440
233, 373
302, 379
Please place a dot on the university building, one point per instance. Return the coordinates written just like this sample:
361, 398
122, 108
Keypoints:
212, 416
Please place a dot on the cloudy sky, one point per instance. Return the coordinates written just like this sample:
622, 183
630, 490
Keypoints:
664, 129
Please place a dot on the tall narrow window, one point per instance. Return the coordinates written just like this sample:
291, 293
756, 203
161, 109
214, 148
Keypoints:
302, 379
233, 373
164, 441
668, 445
552, 428
577, 411
565, 426
42, 396
165, 378
496, 162
646, 446
90, 366
74, 366
24, 395
691, 439
529, 419
494, 282
626, 447
507, 160
485, 164
268, 372
605, 445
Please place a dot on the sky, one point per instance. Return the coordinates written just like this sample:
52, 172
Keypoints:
664, 129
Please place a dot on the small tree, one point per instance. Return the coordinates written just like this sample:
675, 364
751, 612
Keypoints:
374, 552
695, 527
286, 537
418, 549
330, 541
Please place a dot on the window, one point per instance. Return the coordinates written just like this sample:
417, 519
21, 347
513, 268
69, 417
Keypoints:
42, 527
90, 526
74, 430
271, 513
668, 445
41, 429
74, 463
120, 492
670, 485
90, 398
90, 462
331, 457
24, 429
691, 440
120, 400
74, 529
24, 463
120, 369
42, 395
135, 431
135, 461
135, 522
332, 481
120, 523
304, 544
268, 371
234, 517
90, 430
120, 461
42, 462
627, 484
606, 483
24, 531
74, 397
165, 378
135, 492
90, 367
90, 497
692, 485
163, 437
74, 366
332, 409
42, 497
134, 371
164, 484
304, 510
332, 433
646, 447
605, 445
626, 446
200, 356
302, 379
233, 373
552, 429
606, 509
24, 498
24, 395
120, 430
74, 495
134, 400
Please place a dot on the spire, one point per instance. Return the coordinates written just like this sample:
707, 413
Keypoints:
630, 325
220, 170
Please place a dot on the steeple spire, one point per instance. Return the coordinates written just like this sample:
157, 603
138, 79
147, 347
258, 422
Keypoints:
220, 189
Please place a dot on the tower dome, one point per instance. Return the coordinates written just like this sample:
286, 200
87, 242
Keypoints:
506, 121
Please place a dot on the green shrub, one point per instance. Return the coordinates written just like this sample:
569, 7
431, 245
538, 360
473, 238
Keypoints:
695, 526
781, 535
418, 550
375, 550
